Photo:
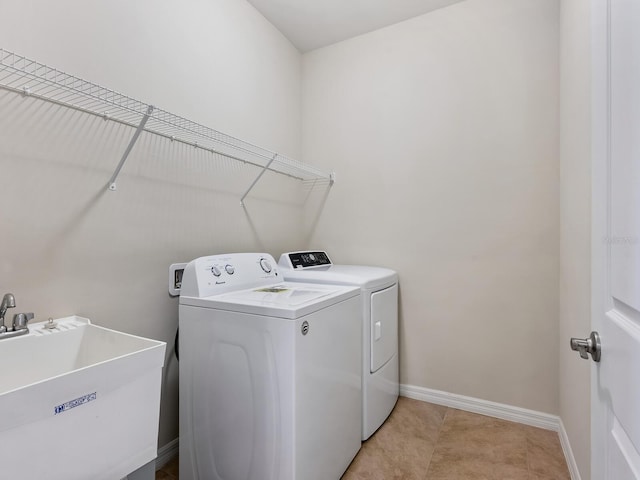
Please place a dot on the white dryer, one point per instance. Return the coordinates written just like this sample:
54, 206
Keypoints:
270, 385
379, 314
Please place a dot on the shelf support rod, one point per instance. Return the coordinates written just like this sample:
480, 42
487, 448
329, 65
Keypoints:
132, 142
264, 169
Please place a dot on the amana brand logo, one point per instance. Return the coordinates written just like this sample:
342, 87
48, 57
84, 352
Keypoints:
74, 403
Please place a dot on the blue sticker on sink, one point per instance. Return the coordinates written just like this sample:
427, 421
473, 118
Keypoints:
74, 403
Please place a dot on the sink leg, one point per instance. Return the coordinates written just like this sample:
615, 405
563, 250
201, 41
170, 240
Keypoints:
145, 472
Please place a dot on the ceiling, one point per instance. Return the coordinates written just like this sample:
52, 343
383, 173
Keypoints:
311, 24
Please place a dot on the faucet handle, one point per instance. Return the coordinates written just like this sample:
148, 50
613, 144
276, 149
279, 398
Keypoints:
20, 320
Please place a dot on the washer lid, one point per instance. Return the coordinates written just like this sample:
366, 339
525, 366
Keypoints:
360, 275
284, 300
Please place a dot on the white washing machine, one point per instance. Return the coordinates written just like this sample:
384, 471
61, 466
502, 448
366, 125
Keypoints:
270, 385
379, 314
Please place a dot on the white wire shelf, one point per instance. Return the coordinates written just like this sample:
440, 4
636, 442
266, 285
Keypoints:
31, 78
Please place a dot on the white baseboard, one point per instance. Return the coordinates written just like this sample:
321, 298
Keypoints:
497, 410
483, 407
568, 453
166, 453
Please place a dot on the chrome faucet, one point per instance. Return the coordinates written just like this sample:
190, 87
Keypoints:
8, 301
20, 320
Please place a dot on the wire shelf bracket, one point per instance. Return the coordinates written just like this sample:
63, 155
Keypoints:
37, 80
257, 178
132, 142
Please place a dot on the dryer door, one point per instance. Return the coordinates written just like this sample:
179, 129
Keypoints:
384, 326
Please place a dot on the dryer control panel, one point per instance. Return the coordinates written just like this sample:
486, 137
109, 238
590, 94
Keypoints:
308, 259
216, 274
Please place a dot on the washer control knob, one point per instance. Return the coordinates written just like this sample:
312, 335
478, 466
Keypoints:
216, 271
266, 266
229, 269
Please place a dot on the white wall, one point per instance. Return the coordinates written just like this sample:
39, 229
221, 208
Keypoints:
444, 131
575, 225
71, 247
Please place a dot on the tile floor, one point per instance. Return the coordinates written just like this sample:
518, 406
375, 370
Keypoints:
422, 441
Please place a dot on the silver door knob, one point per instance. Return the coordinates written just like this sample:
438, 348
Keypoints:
587, 346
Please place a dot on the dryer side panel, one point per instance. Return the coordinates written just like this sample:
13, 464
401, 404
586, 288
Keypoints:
384, 326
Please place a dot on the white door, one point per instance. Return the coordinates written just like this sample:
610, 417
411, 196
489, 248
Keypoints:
615, 382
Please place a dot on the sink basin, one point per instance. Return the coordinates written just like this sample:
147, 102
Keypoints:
78, 401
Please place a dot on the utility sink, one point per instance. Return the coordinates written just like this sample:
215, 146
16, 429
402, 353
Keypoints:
78, 402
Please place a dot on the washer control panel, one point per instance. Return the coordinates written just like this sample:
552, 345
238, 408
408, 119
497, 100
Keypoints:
266, 265
215, 274
307, 259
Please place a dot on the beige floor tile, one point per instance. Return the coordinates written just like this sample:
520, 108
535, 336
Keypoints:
544, 454
469, 437
173, 467
402, 447
415, 418
422, 441
534, 476
468, 469
169, 471
161, 475
371, 463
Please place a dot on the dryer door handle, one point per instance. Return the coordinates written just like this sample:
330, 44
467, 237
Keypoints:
377, 331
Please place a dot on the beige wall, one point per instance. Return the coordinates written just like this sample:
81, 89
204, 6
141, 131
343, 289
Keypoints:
444, 131
575, 226
71, 247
